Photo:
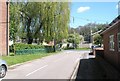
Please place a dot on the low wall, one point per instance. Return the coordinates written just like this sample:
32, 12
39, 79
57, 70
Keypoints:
98, 52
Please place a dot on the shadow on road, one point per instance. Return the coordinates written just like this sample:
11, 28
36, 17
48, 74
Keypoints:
96, 69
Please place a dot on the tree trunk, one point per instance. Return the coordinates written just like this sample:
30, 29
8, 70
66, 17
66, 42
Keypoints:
30, 40
29, 35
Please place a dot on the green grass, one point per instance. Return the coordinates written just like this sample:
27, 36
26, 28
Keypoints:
12, 60
83, 49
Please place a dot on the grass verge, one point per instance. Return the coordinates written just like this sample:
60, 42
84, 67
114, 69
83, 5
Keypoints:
83, 49
12, 60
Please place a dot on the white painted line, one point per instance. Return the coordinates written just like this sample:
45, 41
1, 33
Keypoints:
36, 70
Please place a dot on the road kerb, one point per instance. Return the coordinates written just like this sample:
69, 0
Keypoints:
19, 64
73, 76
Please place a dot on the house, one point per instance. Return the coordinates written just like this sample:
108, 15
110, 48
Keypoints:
111, 42
4, 30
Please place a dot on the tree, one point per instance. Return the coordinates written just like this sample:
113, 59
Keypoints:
75, 38
14, 20
46, 20
29, 19
88, 29
97, 39
86, 32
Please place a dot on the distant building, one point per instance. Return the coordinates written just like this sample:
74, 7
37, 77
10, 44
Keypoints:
111, 41
4, 30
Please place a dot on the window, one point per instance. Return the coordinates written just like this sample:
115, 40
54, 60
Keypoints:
119, 41
111, 41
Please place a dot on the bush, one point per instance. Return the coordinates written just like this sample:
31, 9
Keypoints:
30, 51
49, 49
26, 48
11, 48
12, 54
20, 46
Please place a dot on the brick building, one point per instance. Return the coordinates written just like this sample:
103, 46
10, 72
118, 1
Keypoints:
111, 41
4, 37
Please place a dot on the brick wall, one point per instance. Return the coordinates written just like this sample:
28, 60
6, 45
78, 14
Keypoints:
112, 56
3, 28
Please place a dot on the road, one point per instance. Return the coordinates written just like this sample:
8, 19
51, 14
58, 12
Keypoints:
58, 66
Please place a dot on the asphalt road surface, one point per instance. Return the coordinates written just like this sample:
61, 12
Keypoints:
58, 66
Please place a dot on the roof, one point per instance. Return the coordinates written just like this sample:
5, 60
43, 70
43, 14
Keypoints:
111, 25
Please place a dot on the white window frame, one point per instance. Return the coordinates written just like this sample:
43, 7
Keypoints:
118, 41
111, 43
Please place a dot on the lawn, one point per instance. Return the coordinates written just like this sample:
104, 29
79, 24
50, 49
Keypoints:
12, 60
83, 49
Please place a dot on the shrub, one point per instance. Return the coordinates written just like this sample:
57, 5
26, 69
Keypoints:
12, 54
49, 49
11, 48
20, 46
26, 48
30, 51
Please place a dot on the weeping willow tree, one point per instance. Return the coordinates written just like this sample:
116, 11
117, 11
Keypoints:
54, 20
43, 20
14, 20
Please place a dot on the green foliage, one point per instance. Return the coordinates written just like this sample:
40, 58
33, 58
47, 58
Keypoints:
87, 30
21, 46
47, 20
14, 20
11, 48
49, 49
98, 27
12, 60
30, 51
71, 38
97, 39
12, 54
74, 38
83, 49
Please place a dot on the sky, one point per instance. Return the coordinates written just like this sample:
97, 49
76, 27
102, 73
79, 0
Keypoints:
92, 12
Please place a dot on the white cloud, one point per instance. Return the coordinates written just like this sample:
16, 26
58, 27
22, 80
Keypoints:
116, 6
83, 9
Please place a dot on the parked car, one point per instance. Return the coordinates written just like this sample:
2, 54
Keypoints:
3, 68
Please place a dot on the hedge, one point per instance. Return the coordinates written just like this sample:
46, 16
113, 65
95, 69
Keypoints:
30, 51
49, 49
20, 46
